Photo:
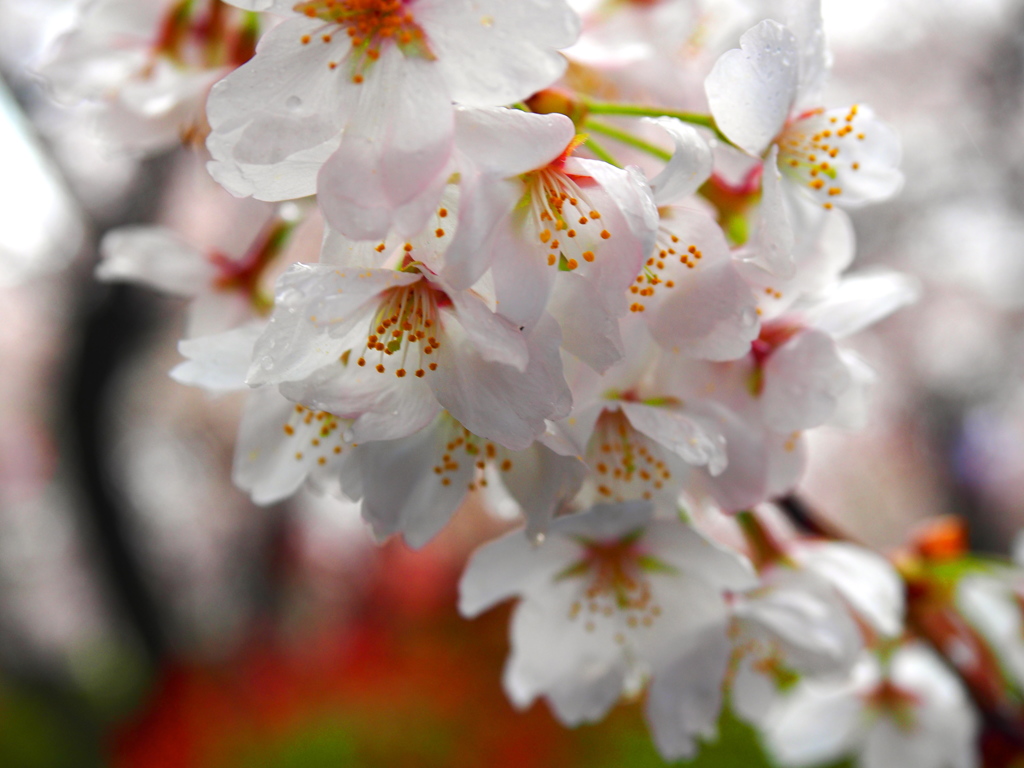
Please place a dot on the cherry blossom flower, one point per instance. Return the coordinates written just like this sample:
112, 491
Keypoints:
360, 93
762, 96
638, 439
149, 64
413, 485
611, 594
390, 348
226, 291
899, 707
559, 233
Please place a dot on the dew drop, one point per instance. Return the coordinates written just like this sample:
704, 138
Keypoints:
294, 103
267, 363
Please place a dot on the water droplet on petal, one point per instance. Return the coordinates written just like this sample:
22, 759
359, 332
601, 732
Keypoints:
293, 103
267, 363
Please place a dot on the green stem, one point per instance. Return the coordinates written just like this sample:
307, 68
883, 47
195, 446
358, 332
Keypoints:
639, 110
601, 153
627, 138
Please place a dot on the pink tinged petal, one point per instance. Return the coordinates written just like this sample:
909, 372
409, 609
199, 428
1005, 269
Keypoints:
401, 491
279, 112
699, 305
393, 153
157, 257
744, 483
540, 480
631, 197
862, 300
590, 331
865, 580
685, 700
689, 167
814, 725
510, 142
695, 441
751, 91
494, 52
803, 381
522, 280
315, 304
484, 203
275, 452
495, 338
218, 363
496, 401
511, 566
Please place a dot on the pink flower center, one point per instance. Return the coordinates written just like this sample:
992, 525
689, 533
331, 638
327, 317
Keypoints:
370, 25
814, 150
628, 464
406, 321
616, 582
561, 218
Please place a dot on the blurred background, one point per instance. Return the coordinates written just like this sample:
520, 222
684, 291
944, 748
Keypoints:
150, 615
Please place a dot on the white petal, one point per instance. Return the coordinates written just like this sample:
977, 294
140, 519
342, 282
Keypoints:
155, 256
803, 381
218, 363
581, 671
689, 167
498, 402
509, 566
401, 491
394, 152
685, 700
866, 580
495, 338
773, 242
510, 142
751, 91
311, 302
540, 480
683, 546
862, 300
709, 312
697, 442
493, 52
814, 725
589, 329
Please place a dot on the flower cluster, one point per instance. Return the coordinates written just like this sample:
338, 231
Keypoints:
627, 345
